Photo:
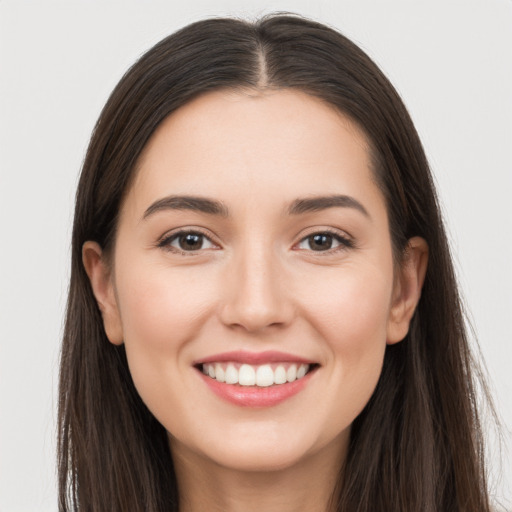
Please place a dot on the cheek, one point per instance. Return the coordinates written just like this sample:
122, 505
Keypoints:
161, 311
351, 316
351, 309
161, 307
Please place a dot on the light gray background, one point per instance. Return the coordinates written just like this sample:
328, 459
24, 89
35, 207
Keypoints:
450, 60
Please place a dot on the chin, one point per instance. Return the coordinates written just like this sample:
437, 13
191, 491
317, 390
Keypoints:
260, 449
260, 458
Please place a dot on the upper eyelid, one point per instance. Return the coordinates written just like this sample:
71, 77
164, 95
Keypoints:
333, 231
329, 230
179, 231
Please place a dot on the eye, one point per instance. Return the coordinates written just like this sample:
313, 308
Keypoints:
324, 241
187, 241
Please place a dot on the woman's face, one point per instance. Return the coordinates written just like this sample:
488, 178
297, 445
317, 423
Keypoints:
253, 245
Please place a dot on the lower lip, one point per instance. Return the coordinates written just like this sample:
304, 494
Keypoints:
253, 396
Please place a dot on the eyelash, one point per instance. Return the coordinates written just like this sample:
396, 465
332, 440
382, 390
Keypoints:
166, 241
344, 241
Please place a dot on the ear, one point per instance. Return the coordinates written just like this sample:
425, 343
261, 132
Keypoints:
407, 289
103, 289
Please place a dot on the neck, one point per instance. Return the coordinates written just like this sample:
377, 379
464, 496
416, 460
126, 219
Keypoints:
308, 485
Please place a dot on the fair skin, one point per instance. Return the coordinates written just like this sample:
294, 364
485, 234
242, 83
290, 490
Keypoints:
260, 274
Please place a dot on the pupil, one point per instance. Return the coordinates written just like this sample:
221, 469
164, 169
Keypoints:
321, 242
190, 241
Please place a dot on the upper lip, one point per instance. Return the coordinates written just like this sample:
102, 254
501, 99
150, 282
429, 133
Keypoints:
254, 358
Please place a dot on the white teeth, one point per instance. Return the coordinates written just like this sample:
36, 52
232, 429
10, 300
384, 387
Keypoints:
301, 371
220, 375
291, 373
280, 375
246, 375
262, 376
231, 374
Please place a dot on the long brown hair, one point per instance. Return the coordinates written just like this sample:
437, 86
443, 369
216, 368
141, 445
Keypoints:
417, 445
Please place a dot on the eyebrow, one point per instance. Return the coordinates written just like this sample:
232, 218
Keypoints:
198, 204
315, 204
214, 207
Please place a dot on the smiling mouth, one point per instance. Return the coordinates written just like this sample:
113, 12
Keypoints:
263, 375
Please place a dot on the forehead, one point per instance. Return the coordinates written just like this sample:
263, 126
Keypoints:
280, 143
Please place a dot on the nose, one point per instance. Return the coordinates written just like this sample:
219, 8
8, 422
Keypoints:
255, 295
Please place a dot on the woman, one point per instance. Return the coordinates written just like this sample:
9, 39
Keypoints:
263, 313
